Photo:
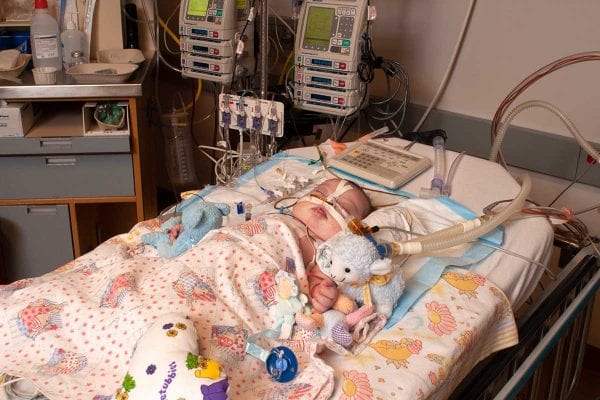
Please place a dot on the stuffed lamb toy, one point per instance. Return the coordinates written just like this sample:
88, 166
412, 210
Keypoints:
354, 263
196, 220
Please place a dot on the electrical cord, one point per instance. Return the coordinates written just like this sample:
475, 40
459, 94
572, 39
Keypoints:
249, 19
380, 110
155, 34
167, 30
530, 80
450, 68
503, 127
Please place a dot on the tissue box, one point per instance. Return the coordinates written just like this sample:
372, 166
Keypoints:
17, 118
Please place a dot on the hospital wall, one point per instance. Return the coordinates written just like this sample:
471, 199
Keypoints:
506, 41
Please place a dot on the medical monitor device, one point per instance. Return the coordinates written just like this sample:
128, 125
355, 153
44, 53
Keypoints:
209, 31
378, 162
327, 56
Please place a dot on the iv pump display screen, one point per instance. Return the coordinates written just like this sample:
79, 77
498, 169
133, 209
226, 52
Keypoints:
319, 24
197, 8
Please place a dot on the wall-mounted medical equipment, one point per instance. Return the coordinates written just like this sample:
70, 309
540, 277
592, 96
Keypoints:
327, 56
211, 46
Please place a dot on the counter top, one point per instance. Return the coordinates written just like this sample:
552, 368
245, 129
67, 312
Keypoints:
66, 88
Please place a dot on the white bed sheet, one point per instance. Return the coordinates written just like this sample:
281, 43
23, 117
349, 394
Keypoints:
477, 183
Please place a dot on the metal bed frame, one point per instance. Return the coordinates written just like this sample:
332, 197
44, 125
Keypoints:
546, 364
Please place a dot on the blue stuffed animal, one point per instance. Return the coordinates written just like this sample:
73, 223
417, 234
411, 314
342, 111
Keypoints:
178, 234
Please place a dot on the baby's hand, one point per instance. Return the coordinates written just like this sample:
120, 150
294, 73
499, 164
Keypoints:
324, 294
174, 232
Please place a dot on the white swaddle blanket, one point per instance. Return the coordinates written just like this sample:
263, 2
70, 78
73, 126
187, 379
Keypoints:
516, 277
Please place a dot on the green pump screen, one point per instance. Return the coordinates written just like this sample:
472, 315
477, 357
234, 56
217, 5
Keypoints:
319, 24
197, 8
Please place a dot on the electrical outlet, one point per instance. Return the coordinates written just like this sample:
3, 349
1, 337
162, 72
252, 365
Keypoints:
265, 116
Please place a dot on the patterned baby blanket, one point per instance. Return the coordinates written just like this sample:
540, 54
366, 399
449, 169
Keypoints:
72, 332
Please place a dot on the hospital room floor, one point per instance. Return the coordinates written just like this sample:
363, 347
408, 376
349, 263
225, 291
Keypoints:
589, 382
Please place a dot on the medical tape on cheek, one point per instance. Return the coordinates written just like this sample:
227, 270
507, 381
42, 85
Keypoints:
342, 187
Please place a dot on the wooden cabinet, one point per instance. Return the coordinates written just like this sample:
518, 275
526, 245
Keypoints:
56, 182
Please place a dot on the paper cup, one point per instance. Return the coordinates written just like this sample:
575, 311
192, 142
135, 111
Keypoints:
44, 75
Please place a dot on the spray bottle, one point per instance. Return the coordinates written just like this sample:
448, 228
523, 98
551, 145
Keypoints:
45, 40
72, 39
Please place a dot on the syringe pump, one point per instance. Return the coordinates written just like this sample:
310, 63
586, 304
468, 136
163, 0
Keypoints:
209, 32
327, 55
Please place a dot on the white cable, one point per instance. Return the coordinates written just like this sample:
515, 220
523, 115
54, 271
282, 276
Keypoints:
202, 146
11, 381
165, 31
554, 110
282, 21
451, 65
276, 52
211, 158
155, 35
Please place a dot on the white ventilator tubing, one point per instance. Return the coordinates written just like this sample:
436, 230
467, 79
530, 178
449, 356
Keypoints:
466, 231
554, 110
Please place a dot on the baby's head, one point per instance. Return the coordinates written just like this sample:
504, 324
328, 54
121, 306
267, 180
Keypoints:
325, 218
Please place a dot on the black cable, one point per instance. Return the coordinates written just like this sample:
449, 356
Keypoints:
350, 125
213, 178
193, 113
241, 36
369, 61
380, 111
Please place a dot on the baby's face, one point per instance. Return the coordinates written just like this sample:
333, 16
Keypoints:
317, 218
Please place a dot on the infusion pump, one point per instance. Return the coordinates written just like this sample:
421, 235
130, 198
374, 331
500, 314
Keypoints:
209, 31
327, 55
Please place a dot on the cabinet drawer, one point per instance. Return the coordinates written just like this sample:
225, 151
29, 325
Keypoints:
98, 175
63, 145
35, 239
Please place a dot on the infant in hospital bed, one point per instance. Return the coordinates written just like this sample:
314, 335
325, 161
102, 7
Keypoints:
316, 218
77, 327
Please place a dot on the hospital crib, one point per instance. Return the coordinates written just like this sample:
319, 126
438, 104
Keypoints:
546, 364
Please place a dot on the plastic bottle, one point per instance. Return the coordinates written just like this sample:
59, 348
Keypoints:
77, 58
71, 40
45, 38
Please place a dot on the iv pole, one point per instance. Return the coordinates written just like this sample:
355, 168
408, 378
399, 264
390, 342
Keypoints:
264, 43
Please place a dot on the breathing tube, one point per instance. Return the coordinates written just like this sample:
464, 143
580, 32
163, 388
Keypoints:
460, 233
463, 232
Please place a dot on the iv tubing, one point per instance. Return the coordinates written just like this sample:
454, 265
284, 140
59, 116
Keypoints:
448, 184
462, 233
554, 110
